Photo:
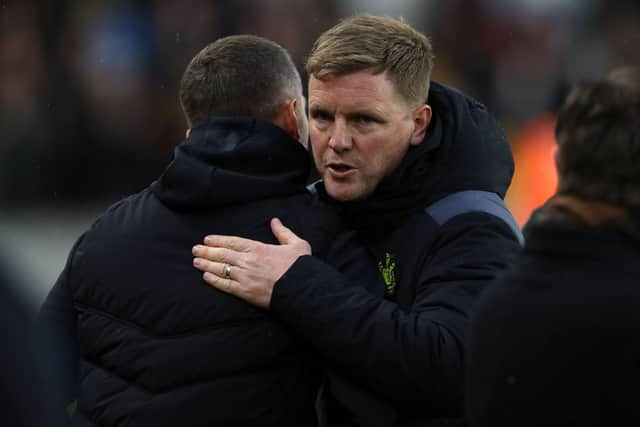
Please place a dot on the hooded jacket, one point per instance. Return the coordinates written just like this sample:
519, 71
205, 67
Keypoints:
156, 345
440, 232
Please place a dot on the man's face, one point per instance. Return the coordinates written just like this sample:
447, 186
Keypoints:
360, 130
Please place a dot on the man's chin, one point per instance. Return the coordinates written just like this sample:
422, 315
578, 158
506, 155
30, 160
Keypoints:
344, 192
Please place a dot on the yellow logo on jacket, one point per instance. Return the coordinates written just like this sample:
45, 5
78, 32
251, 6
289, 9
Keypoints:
387, 269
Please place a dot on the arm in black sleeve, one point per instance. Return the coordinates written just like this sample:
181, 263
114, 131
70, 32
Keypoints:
56, 340
403, 356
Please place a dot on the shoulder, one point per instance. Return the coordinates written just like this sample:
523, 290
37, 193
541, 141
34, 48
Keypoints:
115, 223
474, 203
473, 236
124, 209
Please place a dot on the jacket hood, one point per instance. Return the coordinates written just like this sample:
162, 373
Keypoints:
464, 149
233, 160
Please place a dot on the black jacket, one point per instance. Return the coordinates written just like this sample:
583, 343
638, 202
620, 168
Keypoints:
440, 232
157, 346
554, 342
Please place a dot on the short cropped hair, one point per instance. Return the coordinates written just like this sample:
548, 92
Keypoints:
598, 135
239, 75
379, 43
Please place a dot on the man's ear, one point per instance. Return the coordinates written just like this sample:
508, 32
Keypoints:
287, 118
187, 133
421, 120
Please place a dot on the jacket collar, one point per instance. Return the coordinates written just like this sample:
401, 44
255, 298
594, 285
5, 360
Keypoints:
232, 160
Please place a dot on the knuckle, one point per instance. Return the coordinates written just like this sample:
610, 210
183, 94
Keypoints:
252, 259
207, 253
246, 245
206, 265
220, 256
210, 279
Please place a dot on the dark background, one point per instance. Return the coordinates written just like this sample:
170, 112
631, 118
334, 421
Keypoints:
89, 106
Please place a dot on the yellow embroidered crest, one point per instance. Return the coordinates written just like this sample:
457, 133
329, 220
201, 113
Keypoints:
387, 269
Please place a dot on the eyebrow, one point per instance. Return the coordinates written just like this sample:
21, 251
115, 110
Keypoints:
361, 113
316, 109
356, 113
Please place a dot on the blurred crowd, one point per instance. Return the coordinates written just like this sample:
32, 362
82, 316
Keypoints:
89, 89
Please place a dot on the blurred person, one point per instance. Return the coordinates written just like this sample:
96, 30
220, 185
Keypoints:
110, 53
513, 50
554, 340
24, 401
180, 30
129, 328
25, 122
292, 24
528, 67
408, 9
469, 65
421, 181
617, 24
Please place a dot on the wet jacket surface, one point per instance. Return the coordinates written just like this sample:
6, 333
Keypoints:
440, 232
555, 340
156, 345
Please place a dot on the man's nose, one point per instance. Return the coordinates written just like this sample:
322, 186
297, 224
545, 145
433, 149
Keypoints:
340, 138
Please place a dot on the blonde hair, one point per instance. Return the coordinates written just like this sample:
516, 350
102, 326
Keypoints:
379, 43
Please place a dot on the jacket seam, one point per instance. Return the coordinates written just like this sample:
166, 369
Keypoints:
174, 387
97, 366
221, 325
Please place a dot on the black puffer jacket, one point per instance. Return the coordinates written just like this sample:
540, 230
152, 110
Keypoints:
157, 346
440, 232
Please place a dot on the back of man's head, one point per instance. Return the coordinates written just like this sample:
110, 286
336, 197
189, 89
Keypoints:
379, 43
239, 76
598, 134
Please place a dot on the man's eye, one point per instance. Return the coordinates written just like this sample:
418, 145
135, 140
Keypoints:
320, 115
363, 119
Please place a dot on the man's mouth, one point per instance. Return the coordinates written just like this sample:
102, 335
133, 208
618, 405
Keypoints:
340, 170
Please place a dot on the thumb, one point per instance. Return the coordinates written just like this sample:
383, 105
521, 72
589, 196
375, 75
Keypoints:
282, 233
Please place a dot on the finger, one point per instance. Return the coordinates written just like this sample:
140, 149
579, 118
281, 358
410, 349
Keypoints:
282, 233
230, 242
221, 255
212, 267
228, 286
